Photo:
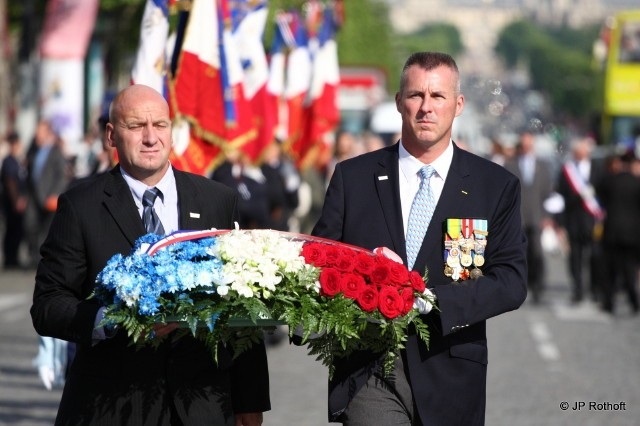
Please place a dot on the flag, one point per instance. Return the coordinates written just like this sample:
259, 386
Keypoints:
324, 112
275, 111
207, 89
68, 25
320, 114
149, 67
191, 152
248, 29
298, 83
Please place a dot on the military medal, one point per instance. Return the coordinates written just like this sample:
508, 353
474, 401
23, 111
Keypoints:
475, 273
465, 243
448, 270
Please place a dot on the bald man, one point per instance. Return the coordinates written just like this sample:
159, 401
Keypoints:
110, 381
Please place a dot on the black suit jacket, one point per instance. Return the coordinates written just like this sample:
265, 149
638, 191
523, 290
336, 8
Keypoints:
575, 218
111, 382
362, 207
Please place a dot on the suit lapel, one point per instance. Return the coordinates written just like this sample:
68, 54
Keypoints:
386, 180
119, 202
189, 210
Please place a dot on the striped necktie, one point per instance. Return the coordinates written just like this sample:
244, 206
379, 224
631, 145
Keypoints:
150, 219
420, 215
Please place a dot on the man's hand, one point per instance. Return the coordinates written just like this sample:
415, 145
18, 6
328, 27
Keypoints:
388, 253
249, 419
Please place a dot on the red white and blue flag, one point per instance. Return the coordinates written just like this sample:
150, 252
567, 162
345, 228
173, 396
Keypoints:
322, 108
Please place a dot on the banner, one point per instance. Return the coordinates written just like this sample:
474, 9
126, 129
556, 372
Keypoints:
321, 109
68, 25
61, 99
250, 18
207, 90
150, 64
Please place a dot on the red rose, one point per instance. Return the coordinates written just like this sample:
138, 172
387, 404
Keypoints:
368, 298
398, 273
330, 282
314, 254
380, 274
417, 282
352, 285
407, 297
344, 262
363, 263
390, 303
332, 253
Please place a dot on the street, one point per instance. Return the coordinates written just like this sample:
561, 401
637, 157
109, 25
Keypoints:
549, 364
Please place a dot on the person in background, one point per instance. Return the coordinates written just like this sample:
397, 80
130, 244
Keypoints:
250, 184
347, 145
537, 184
14, 201
106, 156
619, 193
283, 183
582, 218
501, 151
110, 381
370, 203
373, 141
48, 175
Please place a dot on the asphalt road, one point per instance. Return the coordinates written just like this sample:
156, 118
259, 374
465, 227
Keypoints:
552, 364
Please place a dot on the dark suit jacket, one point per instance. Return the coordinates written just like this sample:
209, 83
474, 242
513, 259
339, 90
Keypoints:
111, 382
448, 379
534, 193
575, 218
53, 178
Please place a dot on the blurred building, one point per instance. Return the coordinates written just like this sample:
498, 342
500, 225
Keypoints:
480, 21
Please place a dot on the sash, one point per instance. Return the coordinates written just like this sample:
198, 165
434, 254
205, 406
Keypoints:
583, 189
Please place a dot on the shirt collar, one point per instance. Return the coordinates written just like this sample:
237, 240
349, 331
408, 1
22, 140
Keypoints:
409, 165
167, 185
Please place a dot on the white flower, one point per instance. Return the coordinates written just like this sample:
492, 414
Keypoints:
423, 305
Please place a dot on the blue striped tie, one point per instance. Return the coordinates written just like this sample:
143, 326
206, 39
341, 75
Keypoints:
150, 219
420, 215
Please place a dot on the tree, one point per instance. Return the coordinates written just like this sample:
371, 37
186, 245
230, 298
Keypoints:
559, 63
441, 37
366, 38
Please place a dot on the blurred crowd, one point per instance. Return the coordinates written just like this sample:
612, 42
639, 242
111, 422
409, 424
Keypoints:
580, 203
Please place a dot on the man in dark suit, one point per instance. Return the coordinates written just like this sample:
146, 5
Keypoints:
619, 193
582, 218
368, 203
110, 382
537, 186
47, 176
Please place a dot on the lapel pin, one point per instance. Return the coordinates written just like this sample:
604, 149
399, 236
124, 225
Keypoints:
464, 192
383, 177
194, 215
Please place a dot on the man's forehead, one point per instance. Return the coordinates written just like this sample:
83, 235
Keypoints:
147, 114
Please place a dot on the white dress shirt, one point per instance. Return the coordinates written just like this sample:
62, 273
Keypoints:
409, 179
166, 207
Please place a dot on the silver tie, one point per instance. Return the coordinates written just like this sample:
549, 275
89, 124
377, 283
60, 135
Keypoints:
150, 219
420, 215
